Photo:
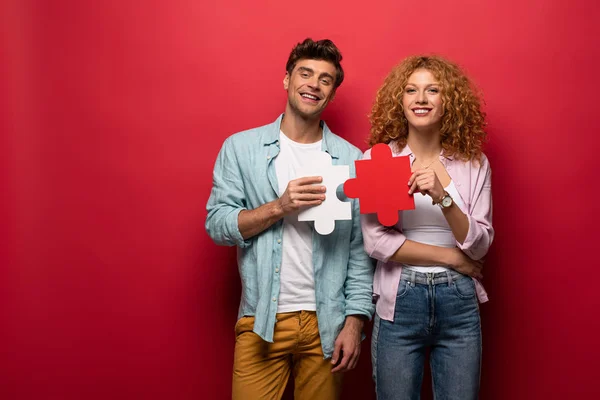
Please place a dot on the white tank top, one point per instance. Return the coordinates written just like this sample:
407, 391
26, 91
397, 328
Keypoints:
427, 224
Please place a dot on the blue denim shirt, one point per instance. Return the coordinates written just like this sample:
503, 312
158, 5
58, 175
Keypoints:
245, 178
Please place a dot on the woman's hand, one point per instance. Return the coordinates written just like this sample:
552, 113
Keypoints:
426, 182
460, 262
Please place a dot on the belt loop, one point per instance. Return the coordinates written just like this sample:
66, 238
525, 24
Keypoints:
449, 277
413, 278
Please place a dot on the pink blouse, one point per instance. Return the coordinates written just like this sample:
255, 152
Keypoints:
473, 182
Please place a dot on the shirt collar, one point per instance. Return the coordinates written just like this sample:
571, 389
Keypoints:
406, 151
272, 137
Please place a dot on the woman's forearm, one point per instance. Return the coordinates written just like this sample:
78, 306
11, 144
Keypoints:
414, 253
458, 221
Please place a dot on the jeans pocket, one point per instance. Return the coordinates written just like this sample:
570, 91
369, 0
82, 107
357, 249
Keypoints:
403, 288
464, 288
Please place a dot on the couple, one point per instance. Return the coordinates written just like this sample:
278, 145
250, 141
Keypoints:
306, 297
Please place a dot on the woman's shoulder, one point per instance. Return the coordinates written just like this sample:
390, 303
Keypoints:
476, 163
472, 172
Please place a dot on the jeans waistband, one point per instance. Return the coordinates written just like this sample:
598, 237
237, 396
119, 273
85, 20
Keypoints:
425, 278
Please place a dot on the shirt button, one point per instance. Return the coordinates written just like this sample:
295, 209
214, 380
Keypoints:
457, 183
268, 157
276, 269
274, 299
278, 240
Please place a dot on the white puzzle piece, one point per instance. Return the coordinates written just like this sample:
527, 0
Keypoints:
332, 209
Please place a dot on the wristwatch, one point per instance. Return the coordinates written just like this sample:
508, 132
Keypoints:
446, 201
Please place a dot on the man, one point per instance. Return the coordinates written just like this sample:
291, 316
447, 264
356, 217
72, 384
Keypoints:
305, 297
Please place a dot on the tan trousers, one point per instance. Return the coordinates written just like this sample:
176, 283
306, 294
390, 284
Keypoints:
261, 369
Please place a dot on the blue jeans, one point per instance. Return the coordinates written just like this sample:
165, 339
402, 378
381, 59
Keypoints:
436, 311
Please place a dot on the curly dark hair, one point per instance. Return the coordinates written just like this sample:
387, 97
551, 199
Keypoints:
463, 122
324, 50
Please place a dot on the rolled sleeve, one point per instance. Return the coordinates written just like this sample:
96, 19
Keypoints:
381, 242
226, 200
481, 233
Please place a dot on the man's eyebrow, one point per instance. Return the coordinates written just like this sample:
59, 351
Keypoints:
326, 75
305, 69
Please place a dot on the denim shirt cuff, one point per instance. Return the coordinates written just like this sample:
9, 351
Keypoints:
234, 229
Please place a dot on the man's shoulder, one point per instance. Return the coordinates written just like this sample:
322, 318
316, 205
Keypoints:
348, 149
251, 135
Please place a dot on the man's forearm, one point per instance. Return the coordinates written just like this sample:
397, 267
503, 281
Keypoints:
357, 321
253, 222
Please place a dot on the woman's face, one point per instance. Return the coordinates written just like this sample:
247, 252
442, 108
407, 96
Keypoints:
422, 101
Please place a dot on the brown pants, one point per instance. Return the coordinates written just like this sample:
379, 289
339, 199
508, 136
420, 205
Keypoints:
261, 369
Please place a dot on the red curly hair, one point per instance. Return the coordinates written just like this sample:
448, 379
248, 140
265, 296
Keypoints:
463, 122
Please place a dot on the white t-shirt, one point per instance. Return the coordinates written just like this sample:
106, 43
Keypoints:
297, 289
427, 224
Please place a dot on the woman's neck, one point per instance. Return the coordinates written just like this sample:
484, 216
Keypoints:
425, 145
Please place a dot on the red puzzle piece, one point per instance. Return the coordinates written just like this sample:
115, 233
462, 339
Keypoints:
381, 185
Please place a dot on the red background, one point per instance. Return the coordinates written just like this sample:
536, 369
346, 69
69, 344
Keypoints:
112, 114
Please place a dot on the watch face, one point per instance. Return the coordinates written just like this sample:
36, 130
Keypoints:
447, 201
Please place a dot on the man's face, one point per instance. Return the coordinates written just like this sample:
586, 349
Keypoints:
310, 87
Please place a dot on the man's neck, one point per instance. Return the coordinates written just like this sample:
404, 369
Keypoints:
301, 130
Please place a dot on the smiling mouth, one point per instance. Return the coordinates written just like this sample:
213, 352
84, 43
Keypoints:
309, 96
421, 111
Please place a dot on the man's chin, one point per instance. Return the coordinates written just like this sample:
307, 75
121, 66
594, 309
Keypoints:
308, 114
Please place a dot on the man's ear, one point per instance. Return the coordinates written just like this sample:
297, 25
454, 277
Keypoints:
333, 95
286, 81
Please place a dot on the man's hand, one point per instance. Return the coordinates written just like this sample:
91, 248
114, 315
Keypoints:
347, 345
301, 193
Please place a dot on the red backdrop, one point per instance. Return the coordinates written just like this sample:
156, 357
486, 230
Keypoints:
112, 114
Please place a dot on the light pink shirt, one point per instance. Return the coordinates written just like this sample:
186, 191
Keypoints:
473, 182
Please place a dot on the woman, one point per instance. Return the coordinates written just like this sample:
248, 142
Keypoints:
426, 283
